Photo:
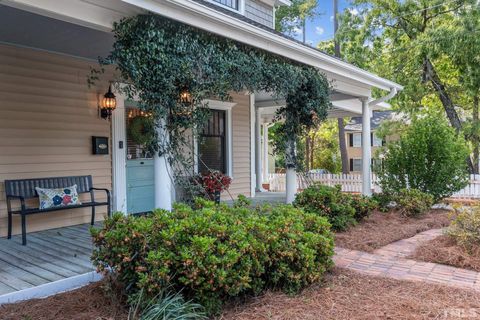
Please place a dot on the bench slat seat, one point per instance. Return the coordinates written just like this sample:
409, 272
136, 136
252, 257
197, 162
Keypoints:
24, 189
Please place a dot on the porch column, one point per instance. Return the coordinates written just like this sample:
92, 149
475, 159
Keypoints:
265, 152
163, 174
258, 154
366, 149
291, 172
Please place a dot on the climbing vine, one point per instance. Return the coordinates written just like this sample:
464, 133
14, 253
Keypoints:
159, 60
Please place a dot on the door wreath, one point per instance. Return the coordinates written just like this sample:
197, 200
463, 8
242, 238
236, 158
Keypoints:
142, 131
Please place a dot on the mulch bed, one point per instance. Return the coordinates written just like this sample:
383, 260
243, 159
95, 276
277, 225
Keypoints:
349, 295
444, 250
89, 302
380, 229
341, 295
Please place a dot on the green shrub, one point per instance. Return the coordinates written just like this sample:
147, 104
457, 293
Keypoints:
383, 200
429, 156
328, 202
212, 253
363, 205
465, 228
413, 202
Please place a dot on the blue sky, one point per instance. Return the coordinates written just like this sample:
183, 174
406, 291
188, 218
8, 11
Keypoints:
321, 27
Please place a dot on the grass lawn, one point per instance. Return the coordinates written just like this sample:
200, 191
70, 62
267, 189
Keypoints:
380, 229
341, 295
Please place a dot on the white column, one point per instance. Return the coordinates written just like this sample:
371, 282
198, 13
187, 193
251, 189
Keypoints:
119, 145
265, 152
258, 154
291, 173
291, 184
163, 175
366, 149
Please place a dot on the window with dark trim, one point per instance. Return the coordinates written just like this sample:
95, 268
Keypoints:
212, 143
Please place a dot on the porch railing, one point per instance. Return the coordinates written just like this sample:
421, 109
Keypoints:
353, 183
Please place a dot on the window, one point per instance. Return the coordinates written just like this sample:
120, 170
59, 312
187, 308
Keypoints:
376, 141
355, 164
233, 4
213, 143
355, 140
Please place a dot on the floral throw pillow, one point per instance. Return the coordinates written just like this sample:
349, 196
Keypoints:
61, 197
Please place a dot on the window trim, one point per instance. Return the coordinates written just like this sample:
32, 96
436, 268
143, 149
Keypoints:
240, 10
227, 107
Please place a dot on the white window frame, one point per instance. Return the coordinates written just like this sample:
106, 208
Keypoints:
376, 140
356, 134
353, 164
240, 10
226, 106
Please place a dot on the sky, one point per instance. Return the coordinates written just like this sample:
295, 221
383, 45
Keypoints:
321, 27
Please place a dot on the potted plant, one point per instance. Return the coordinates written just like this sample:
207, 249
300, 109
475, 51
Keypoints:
214, 182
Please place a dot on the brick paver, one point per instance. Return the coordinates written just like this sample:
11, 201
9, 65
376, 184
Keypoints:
404, 248
390, 261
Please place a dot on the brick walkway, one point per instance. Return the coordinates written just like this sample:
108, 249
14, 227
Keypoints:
389, 261
404, 248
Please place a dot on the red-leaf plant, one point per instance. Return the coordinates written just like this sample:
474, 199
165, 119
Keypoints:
214, 181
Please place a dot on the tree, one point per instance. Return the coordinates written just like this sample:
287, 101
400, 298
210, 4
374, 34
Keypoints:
429, 156
400, 40
288, 19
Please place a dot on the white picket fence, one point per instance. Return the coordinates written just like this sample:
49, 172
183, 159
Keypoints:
353, 183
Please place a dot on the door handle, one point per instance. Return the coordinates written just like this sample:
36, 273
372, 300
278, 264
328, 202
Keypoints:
142, 162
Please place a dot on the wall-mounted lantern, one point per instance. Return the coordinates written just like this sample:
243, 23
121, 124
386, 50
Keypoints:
186, 97
109, 103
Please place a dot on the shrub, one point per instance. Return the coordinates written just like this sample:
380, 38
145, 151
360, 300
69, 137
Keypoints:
413, 202
465, 228
213, 252
383, 200
429, 156
328, 202
363, 206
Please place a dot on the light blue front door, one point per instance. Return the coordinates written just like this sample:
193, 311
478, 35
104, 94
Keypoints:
140, 185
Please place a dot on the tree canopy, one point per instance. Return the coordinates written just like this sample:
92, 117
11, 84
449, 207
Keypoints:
431, 47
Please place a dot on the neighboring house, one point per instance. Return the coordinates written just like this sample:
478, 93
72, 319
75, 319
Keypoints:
48, 113
353, 136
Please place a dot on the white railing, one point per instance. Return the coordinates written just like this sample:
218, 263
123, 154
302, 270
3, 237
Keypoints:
353, 183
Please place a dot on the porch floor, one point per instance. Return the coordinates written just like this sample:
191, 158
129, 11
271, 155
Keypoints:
269, 197
49, 256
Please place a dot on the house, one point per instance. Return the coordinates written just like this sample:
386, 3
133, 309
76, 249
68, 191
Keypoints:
353, 137
48, 113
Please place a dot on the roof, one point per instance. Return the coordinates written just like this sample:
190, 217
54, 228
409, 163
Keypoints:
355, 123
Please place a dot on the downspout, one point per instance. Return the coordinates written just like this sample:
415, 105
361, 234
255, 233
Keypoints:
390, 95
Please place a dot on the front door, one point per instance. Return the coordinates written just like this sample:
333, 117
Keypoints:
140, 169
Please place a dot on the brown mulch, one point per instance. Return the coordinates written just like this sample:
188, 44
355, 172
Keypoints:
444, 250
346, 295
89, 302
380, 229
341, 295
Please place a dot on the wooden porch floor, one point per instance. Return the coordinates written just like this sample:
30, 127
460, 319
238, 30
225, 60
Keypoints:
49, 255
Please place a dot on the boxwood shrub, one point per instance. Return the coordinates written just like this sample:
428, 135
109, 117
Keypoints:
212, 253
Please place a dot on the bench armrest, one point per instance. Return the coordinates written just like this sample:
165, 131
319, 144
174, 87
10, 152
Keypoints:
100, 189
12, 197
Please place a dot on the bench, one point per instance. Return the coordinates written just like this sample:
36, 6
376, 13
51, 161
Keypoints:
24, 189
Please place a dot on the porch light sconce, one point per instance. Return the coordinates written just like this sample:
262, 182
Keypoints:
185, 97
109, 103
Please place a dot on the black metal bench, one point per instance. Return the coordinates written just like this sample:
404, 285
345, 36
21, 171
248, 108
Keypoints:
24, 189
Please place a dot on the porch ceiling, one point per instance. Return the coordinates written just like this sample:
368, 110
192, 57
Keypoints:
23, 28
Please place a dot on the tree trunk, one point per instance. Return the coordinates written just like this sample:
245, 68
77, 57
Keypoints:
476, 137
448, 105
312, 148
343, 145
